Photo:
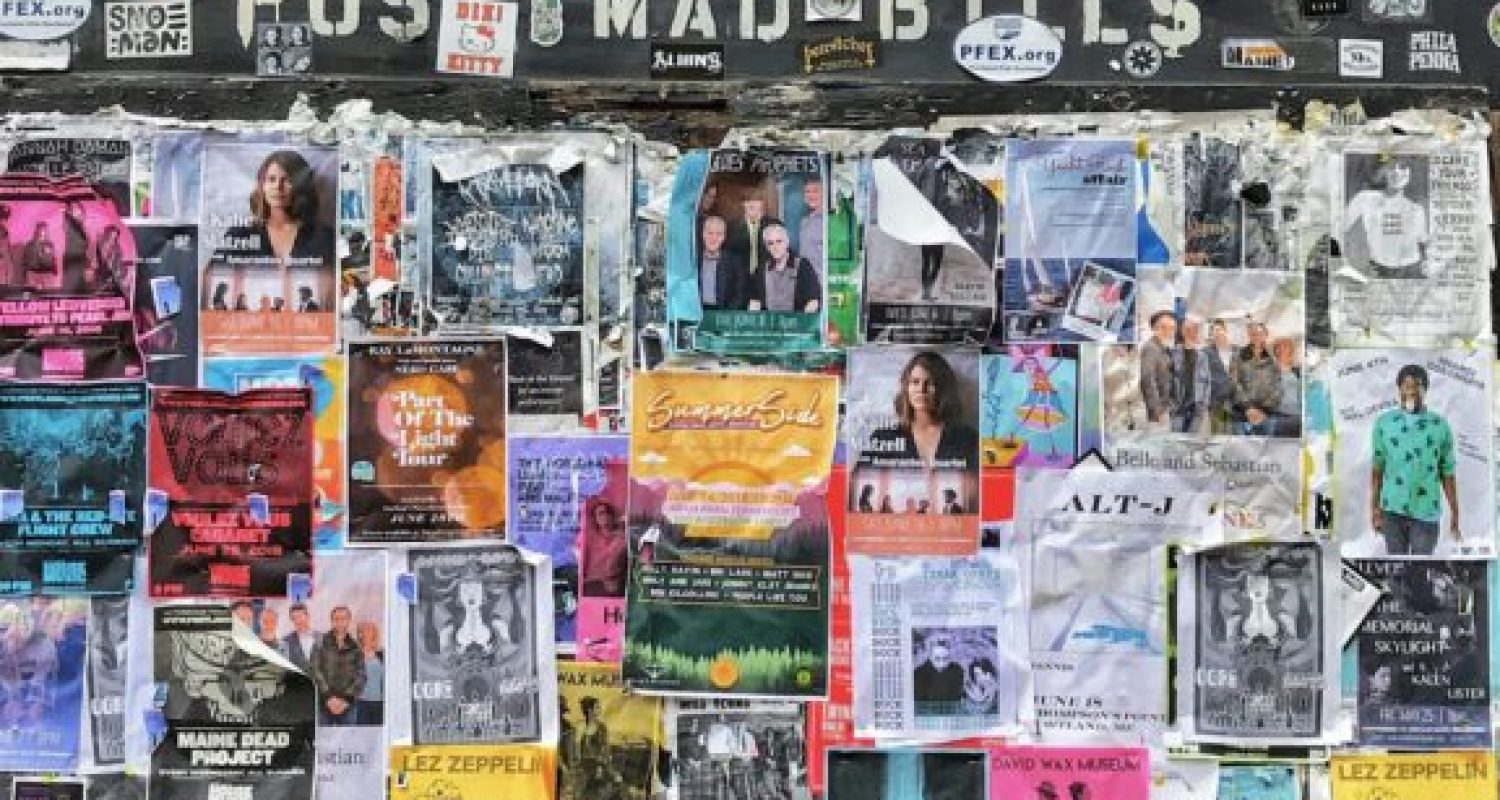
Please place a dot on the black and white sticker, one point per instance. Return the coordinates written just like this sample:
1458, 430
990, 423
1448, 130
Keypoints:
687, 62
1361, 58
1263, 54
148, 29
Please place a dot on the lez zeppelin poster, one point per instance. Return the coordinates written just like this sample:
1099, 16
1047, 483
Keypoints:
930, 245
747, 736
867, 774
235, 472
42, 656
166, 313
1070, 240
239, 717
912, 428
1115, 773
609, 740
507, 247
1099, 594
480, 644
1412, 453
1028, 408
1423, 656
455, 771
108, 657
1256, 643
939, 656
324, 377
603, 548
337, 635
104, 163
1469, 774
552, 478
426, 441
728, 523
758, 263
73, 468
268, 283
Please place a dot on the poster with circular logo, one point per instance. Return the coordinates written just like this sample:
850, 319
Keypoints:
41, 20
1008, 48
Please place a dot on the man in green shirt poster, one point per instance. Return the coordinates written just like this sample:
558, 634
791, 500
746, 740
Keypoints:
1412, 463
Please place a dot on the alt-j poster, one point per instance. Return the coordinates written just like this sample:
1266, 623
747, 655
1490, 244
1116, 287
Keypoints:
1082, 773
609, 740
73, 468
426, 441
42, 655
231, 492
239, 717
728, 525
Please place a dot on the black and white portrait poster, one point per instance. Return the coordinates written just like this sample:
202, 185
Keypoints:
736, 749
1423, 656
1413, 228
1258, 643
931, 238
479, 647
1211, 177
283, 49
1412, 454
239, 717
947, 774
107, 663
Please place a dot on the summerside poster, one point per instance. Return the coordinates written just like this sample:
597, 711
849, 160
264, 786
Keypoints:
73, 464
42, 655
235, 472
728, 524
426, 441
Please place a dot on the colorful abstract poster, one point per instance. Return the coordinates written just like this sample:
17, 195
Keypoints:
72, 476
1028, 409
43, 650
1423, 656
239, 718
166, 312
324, 376
426, 441
108, 660
234, 474
1070, 240
610, 740
1116, 773
1469, 774
603, 567
269, 278
949, 774
912, 430
728, 523
552, 480
456, 771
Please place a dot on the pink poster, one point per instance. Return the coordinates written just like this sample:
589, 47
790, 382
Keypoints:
1070, 773
603, 565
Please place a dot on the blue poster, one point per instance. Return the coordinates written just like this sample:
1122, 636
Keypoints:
1258, 782
43, 650
1070, 243
1028, 409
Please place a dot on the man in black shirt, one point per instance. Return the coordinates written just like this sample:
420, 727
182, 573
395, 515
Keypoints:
940, 680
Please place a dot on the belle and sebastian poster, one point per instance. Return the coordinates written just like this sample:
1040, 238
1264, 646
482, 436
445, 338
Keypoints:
728, 524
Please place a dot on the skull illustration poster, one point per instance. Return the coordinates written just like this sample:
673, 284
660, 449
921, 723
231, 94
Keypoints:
479, 637
42, 655
426, 440
239, 717
73, 461
235, 473
1255, 643
1074, 773
108, 656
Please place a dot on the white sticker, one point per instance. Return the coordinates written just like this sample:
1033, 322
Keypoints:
477, 38
1361, 58
18, 55
834, 10
148, 29
1008, 48
42, 20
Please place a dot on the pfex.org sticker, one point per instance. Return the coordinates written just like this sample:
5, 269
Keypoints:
1008, 48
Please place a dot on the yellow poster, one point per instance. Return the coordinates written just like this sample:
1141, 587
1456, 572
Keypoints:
1466, 774
610, 739
473, 772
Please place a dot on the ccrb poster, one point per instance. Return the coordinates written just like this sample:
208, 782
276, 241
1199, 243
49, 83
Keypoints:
102, 162
268, 284
735, 749
457, 771
876, 774
1028, 408
1423, 656
235, 475
507, 246
166, 311
912, 428
609, 740
554, 481
1469, 774
324, 377
930, 246
1070, 240
42, 655
1256, 643
728, 524
108, 658
239, 718
426, 440
1099, 594
73, 468
1080, 773
478, 633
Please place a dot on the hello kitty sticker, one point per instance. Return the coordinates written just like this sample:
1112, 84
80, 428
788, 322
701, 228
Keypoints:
477, 38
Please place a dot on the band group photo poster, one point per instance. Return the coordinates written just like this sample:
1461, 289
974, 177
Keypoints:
268, 238
912, 430
610, 741
426, 441
736, 749
728, 525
